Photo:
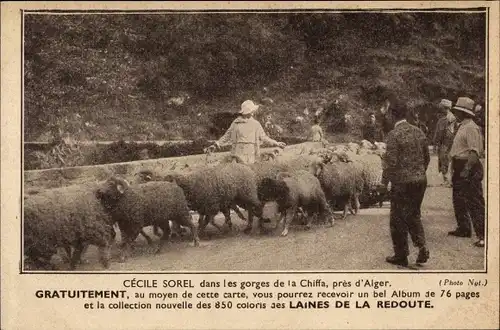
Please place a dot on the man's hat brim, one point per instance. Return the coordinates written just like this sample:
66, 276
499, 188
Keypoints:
467, 111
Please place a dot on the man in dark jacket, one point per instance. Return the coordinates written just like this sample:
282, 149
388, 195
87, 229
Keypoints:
384, 119
419, 123
370, 130
407, 158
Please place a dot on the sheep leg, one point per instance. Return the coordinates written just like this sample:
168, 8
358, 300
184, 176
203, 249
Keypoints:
212, 222
258, 213
202, 224
146, 236
349, 205
327, 216
346, 208
227, 217
280, 220
77, 253
290, 213
188, 222
67, 248
43, 263
356, 203
84, 250
176, 229
309, 221
248, 228
126, 247
105, 255
164, 238
238, 212
209, 218
326, 211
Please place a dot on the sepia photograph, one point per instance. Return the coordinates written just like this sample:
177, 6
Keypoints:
255, 141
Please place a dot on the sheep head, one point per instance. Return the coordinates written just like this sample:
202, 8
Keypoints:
174, 178
317, 167
269, 155
270, 189
182, 180
112, 190
145, 176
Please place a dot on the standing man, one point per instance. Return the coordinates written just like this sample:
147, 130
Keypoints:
316, 132
384, 118
443, 137
480, 120
370, 130
465, 153
419, 123
245, 135
406, 160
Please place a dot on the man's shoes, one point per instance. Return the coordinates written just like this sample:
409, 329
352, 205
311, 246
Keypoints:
423, 256
460, 233
398, 261
479, 243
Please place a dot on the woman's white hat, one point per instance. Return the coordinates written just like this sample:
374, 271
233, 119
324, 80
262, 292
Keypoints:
248, 107
466, 105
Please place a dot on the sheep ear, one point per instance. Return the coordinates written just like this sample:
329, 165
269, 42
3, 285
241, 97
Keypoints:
98, 194
170, 178
318, 168
120, 187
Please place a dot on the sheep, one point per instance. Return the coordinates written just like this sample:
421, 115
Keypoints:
269, 169
140, 205
342, 183
380, 145
67, 248
371, 165
352, 147
292, 190
64, 218
215, 189
147, 176
367, 144
269, 155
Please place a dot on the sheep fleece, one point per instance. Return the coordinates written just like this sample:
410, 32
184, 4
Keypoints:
214, 188
304, 190
64, 216
341, 179
148, 204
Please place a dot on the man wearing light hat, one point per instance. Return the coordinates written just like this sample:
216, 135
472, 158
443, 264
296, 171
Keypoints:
245, 135
443, 137
467, 176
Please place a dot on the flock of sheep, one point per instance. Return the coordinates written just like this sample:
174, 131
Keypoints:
308, 186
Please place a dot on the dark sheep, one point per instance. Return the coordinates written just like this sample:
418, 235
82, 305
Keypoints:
68, 217
136, 206
292, 190
215, 189
147, 176
270, 169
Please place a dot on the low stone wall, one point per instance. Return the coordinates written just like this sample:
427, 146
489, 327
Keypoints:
59, 177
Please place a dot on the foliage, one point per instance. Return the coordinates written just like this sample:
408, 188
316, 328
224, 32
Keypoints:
110, 77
